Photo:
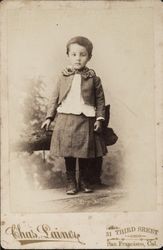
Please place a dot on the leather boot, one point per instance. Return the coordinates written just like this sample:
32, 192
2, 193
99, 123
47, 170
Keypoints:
71, 183
83, 183
71, 187
95, 171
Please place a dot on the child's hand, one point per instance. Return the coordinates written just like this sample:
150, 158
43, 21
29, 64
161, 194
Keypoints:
98, 126
46, 124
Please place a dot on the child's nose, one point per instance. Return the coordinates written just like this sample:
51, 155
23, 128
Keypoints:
78, 58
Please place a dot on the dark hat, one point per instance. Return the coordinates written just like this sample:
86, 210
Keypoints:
83, 41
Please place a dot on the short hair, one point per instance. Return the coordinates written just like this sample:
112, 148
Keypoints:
83, 41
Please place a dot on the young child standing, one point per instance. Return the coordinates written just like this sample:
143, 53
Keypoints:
78, 106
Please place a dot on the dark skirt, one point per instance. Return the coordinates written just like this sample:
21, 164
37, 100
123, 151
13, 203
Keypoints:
74, 136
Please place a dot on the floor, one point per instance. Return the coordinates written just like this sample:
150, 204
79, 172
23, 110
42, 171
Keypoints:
103, 199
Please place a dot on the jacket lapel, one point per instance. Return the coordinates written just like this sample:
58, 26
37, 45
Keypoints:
65, 86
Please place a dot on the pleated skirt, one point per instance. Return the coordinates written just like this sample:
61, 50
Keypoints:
74, 136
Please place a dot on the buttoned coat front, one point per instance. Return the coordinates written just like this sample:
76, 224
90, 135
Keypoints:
91, 91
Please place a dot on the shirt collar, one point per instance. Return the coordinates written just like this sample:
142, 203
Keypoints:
85, 72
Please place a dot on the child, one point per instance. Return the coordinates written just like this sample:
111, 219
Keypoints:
78, 106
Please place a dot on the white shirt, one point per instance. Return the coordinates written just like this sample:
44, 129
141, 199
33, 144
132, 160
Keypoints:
74, 103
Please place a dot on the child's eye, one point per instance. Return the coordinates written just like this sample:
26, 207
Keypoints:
73, 54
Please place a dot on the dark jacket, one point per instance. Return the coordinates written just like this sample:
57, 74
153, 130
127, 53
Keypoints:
91, 91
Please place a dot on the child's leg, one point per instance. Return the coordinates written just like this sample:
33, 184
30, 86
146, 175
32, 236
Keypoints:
84, 165
95, 171
70, 163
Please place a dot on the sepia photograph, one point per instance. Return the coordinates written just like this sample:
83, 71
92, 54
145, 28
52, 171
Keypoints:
81, 131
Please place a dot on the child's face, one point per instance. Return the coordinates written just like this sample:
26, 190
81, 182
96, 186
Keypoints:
78, 56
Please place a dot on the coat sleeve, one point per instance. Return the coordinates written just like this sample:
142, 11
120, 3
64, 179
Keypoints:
53, 102
99, 99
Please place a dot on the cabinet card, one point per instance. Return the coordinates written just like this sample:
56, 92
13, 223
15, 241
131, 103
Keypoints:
124, 210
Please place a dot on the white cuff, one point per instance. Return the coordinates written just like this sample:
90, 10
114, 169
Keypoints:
100, 118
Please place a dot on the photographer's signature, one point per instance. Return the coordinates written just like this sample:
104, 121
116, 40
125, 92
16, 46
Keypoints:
42, 233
